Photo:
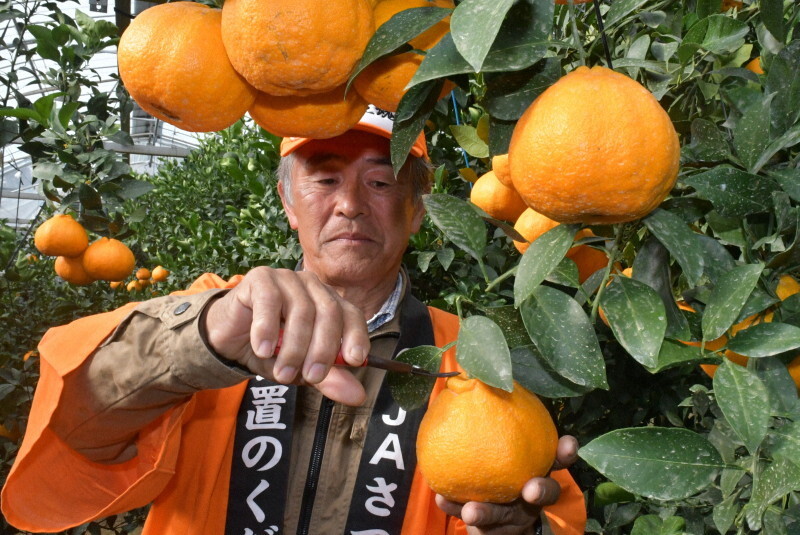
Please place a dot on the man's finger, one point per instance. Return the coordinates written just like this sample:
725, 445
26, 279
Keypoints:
541, 491
566, 452
340, 385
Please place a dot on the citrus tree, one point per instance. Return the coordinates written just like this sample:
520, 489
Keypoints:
665, 337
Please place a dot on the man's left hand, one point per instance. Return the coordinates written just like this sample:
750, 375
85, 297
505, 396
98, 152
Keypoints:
518, 517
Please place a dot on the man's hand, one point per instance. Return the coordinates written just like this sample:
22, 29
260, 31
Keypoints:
244, 326
519, 516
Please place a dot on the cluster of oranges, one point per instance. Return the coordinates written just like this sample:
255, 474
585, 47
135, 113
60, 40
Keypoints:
77, 261
285, 62
594, 148
143, 278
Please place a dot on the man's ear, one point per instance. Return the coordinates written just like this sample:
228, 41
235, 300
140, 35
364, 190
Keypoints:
287, 206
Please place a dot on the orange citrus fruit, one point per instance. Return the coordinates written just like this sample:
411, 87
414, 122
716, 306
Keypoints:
143, 273
108, 259
134, 285
501, 170
61, 235
296, 47
383, 83
787, 286
595, 147
730, 4
481, 443
115, 284
497, 200
173, 63
754, 65
160, 274
71, 270
317, 116
794, 370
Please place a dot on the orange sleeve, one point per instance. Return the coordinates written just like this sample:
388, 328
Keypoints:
51, 487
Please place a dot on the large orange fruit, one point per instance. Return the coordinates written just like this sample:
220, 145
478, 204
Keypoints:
383, 83
61, 235
108, 259
173, 63
497, 200
71, 270
595, 147
296, 47
481, 443
317, 116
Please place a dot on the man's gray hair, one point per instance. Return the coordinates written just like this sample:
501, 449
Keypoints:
418, 170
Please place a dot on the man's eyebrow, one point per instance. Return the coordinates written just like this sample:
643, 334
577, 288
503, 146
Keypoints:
324, 157
380, 160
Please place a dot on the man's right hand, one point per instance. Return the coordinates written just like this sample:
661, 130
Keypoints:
245, 324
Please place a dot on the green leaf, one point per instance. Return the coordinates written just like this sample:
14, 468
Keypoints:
773, 483
786, 444
532, 371
709, 143
637, 318
681, 242
411, 391
563, 334
718, 34
765, 339
742, 398
483, 352
396, 32
620, 9
475, 25
131, 188
510, 322
674, 353
771, 12
783, 80
413, 110
66, 112
89, 197
660, 463
460, 223
734, 193
727, 299
725, 513
751, 135
789, 139
523, 40
468, 139
651, 266
44, 106
541, 257
655, 525
780, 386
23, 113
718, 260
511, 93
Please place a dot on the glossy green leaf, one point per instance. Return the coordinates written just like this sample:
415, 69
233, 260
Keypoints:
786, 444
751, 134
637, 318
790, 138
765, 339
413, 110
727, 299
533, 372
510, 323
563, 334
772, 17
460, 223
475, 25
681, 242
132, 188
709, 144
675, 353
468, 139
660, 463
725, 513
540, 258
483, 352
510, 94
781, 390
742, 397
397, 31
655, 525
651, 266
734, 193
412, 391
783, 80
776, 481
718, 34
789, 180
621, 9
718, 259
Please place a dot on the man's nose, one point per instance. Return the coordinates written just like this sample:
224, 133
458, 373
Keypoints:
351, 199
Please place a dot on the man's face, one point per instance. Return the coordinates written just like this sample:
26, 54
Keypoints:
352, 216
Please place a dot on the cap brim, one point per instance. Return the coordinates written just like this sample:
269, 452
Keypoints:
418, 149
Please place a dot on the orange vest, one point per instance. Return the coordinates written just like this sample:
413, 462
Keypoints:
52, 488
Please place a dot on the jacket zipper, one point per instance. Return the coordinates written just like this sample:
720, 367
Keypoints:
314, 466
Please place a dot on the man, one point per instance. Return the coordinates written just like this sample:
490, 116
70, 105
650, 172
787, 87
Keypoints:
159, 403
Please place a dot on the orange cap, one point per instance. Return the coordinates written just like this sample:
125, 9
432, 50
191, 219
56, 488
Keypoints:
375, 121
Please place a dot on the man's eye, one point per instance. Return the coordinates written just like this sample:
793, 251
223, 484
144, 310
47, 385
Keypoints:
326, 181
380, 184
